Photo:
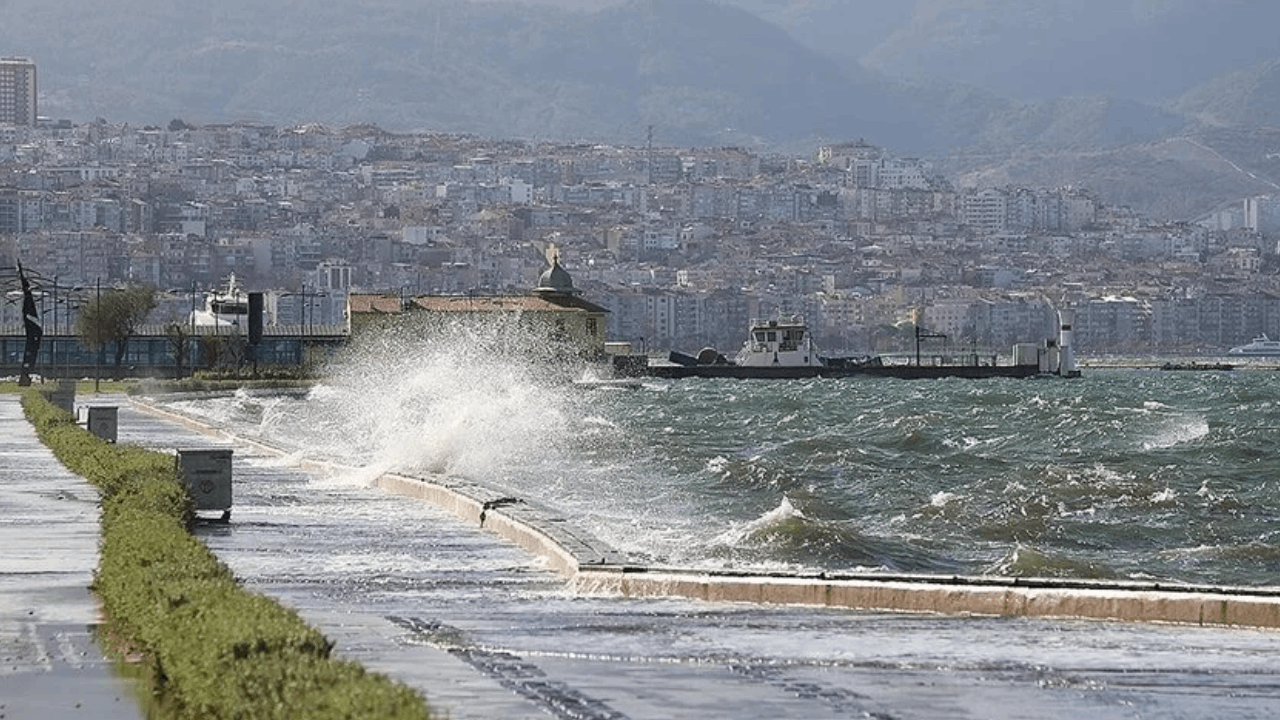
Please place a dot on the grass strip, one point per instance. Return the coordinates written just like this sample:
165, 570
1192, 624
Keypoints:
211, 649
83, 386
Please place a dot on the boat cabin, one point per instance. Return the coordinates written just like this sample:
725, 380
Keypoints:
784, 342
224, 308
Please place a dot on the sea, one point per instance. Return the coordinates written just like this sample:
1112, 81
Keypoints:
1126, 473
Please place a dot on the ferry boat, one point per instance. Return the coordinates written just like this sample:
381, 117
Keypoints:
1261, 345
784, 348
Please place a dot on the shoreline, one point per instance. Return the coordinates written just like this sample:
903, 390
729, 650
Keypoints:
591, 567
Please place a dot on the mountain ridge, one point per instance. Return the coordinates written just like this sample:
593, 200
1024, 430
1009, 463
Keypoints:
768, 74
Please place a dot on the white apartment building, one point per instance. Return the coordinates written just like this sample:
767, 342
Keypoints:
521, 191
957, 320
897, 174
660, 318
661, 239
994, 210
985, 211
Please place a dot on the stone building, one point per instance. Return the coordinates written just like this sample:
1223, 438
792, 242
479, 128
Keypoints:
554, 311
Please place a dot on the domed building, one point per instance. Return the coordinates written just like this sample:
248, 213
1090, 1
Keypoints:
555, 307
556, 281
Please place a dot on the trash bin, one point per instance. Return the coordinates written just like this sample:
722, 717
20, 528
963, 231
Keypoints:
65, 396
103, 422
207, 477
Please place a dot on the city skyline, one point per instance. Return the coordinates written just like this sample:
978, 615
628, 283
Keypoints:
684, 246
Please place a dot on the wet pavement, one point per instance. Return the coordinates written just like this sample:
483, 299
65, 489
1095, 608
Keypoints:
50, 664
483, 630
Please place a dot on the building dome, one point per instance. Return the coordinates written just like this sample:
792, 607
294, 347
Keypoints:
556, 281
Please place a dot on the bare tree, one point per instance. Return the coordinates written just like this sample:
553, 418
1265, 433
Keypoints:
179, 344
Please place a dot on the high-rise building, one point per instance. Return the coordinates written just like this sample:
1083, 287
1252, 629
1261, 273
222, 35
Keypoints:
17, 91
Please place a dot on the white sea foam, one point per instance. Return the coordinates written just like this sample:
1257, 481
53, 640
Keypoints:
940, 499
452, 399
597, 421
287, 460
1177, 431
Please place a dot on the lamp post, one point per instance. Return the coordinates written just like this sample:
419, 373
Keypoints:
53, 349
97, 331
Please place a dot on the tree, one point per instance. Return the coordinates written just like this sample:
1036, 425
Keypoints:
178, 339
115, 317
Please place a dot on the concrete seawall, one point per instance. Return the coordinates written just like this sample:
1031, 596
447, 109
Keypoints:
593, 567
954, 596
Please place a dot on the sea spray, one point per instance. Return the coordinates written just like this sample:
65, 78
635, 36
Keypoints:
441, 398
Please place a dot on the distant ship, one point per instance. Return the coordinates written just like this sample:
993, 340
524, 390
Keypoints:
1260, 345
783, 348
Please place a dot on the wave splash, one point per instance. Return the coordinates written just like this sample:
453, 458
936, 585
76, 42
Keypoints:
448, 398
786, 532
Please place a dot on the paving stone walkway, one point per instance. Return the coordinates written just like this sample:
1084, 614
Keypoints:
50, 664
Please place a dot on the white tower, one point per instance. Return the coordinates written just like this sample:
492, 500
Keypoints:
1066, 343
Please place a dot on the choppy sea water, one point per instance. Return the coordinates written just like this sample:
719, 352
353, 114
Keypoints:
1125, 474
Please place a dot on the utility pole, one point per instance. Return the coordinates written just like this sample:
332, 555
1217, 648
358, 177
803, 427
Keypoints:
194, 344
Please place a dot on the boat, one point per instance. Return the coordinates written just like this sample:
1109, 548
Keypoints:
1261, 345
783, 349
227, 307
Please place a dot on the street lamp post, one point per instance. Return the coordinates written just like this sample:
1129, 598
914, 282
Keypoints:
53, 349
97, 331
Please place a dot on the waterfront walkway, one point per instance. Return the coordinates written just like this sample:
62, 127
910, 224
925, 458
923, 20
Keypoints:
484, 630
50, 665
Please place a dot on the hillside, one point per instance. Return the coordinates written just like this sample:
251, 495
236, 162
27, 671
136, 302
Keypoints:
1041, 49
700, 72
1246, 98
1177, 178
1032, 90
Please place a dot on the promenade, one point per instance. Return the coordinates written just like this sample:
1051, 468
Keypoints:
50, 666
485, 630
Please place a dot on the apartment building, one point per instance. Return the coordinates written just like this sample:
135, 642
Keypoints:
17, 91
986, 211
994, 210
